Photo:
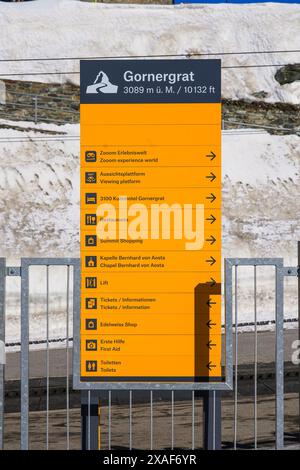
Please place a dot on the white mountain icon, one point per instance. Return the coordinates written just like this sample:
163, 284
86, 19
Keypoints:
101, 85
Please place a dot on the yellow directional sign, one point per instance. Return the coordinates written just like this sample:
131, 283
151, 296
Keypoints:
150, 221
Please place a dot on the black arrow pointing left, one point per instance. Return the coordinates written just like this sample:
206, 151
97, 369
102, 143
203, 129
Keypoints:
210, 366
210, 302
210, 344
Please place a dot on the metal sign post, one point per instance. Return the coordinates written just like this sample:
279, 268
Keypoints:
151, 228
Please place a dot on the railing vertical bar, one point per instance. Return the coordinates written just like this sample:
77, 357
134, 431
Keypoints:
255, 358
236, 357
172, 420
24, 364
109, 420
35, 109
89, 420
214, 419
151, 419
67, 359
193, 419
298, 274
279, 360
99, 424
130, 419
47, 357
228, 321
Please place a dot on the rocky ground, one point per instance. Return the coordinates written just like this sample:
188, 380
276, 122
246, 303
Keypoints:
161, 426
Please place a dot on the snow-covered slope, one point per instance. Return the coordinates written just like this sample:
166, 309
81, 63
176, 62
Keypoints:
39, 213
39, 180
70, 28
39, 192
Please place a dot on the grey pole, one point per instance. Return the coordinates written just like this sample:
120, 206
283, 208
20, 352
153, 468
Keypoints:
24, 373
212, 420
35, 109
298, 273
89, 420
2, 346
279, 360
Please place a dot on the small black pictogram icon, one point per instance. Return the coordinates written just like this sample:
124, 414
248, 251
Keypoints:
91, 303
90, 156
91, 324
91, 366
91, 240
91, 198
91, 261
90, 219
91, 282
91, 177
91, 345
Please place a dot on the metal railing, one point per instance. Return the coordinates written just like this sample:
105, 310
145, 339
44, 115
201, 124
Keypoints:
42, 108
38, 107
26, 264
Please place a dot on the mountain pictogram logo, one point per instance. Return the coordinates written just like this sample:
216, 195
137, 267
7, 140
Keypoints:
101, 85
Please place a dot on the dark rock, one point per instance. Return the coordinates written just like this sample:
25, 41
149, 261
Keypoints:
288, 74
260, 94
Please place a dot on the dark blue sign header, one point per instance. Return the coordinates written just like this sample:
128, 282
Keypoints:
150, 81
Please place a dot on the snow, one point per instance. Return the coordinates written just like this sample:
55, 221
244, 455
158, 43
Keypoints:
39, 213
39, 185
69, 28
40, 180
276, 157
39, 172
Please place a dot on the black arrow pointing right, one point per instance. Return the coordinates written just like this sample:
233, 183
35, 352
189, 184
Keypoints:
212, 219
211, 260
212, 282
211, 239
211, 155
211, 177
212, 197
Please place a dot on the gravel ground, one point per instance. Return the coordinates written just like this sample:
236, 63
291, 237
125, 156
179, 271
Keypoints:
161, 425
